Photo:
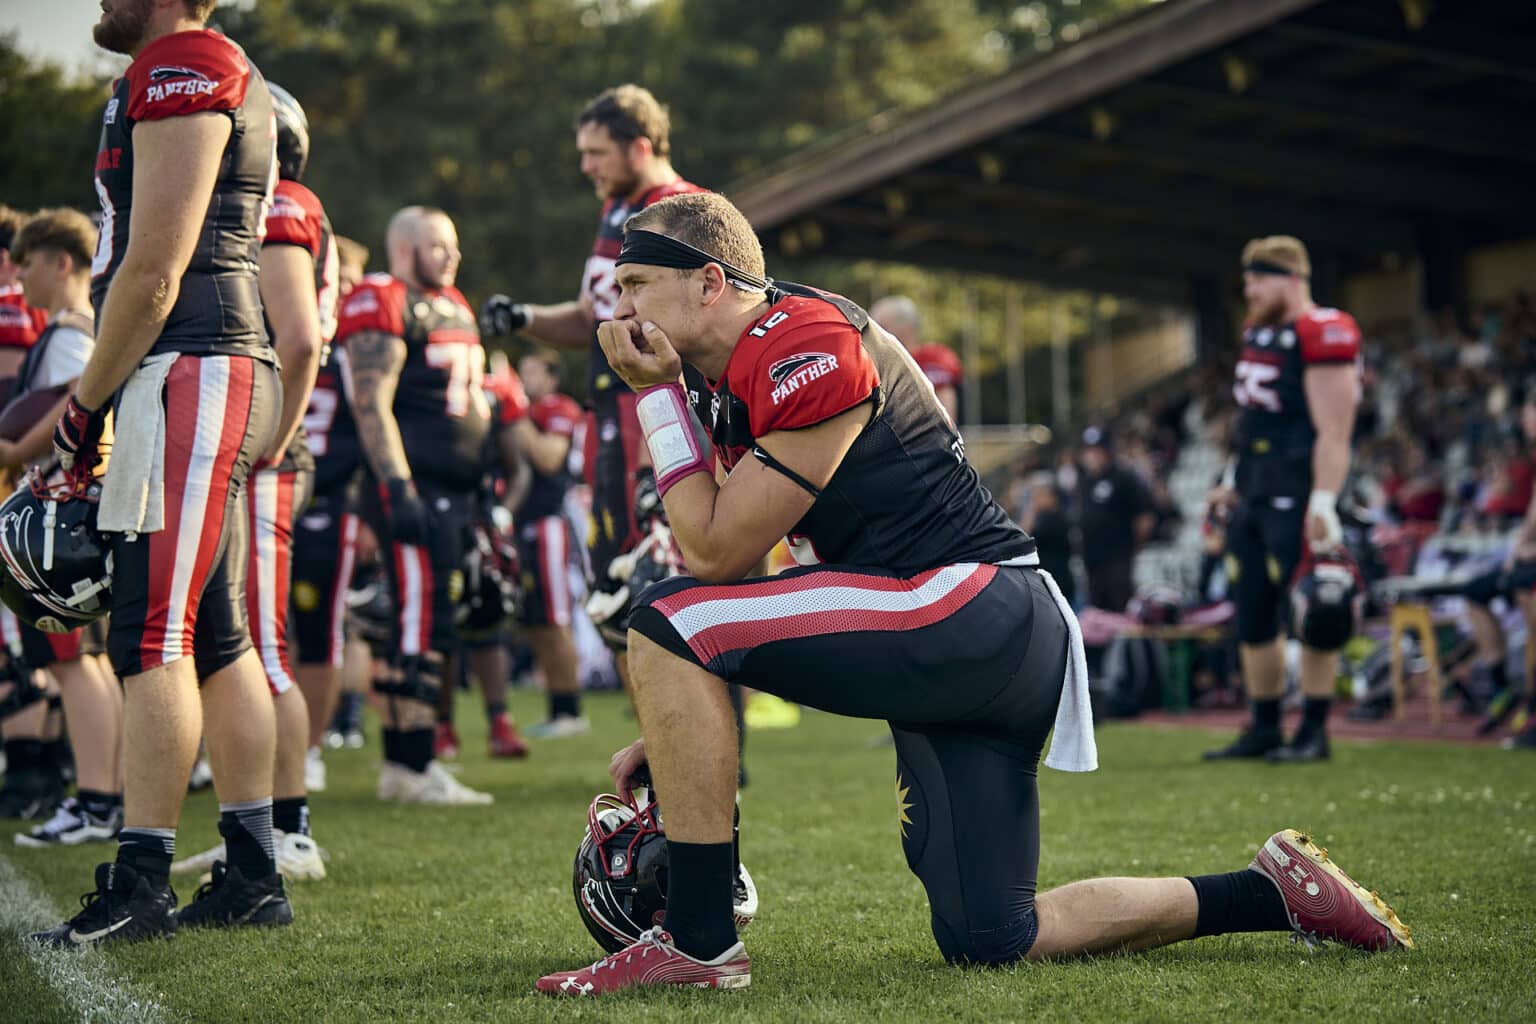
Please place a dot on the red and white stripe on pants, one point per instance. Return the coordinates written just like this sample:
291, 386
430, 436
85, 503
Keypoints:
413, 592
346, 556
270, 497
717, 620
554, 549
207, 410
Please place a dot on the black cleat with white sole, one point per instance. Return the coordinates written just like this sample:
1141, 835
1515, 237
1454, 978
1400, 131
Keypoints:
230, 900
126, 907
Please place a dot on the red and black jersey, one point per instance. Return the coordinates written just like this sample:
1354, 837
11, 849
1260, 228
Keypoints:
439, 401
329, 431
1275, 434
218, 309
904, 499
939, 364
20, 324
297, 218
599, 283
560, 415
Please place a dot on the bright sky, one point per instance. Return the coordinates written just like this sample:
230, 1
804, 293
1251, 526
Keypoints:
59, 30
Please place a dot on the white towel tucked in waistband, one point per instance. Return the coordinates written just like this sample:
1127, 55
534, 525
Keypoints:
1072, 745
133, 493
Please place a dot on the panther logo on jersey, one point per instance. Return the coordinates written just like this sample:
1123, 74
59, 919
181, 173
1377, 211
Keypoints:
789, 375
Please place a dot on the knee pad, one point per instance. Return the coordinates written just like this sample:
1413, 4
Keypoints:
413, 677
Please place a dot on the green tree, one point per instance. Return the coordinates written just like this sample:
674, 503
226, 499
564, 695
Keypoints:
50, 125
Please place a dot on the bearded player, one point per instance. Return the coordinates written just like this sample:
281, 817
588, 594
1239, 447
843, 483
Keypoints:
184, 173
1297, 387
918, 602
624, 137
412, 364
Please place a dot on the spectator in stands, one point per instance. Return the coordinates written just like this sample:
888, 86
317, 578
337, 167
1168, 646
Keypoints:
1415, 489
1116, 519
1046, 520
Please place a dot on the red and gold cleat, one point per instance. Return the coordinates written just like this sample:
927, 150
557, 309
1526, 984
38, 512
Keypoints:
652, 960
1322, 902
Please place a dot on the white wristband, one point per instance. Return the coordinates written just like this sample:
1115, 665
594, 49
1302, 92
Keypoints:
667, 423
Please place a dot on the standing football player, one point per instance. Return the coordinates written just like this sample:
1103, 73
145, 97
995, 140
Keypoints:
918, 601
899, 316
544, 541
412, 363
298, 291
54, 252
184, 172
20, 324
1297, 387
623, 136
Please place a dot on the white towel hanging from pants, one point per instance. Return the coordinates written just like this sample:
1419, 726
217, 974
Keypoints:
133, 493
1072, 744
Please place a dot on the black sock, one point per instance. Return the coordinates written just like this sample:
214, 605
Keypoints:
21, 755
1314, 714
392, 753
565, 705
149, 851
248, 843
349, 713
99, 805
415, 749
699, 897
1266, 714
1238, 901
494, 709
1499, 676
291, 814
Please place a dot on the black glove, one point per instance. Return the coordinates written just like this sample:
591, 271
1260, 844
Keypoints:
78, 435
647, 499
500, 315
404, 512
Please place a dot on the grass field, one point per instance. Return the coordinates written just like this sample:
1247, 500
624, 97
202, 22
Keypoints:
446, 915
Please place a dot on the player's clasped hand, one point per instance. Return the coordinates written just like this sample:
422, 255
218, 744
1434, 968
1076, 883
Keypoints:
624, 765
500, 315
641, 355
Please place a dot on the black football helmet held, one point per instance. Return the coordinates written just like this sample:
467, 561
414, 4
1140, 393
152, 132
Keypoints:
654, 559
620, 875
1327, 597
491, 575
292, 134
57, 567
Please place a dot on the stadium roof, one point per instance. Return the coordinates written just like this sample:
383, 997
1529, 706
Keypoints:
1138, 160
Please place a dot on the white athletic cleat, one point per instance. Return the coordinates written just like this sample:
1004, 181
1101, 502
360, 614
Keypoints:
72, 825
314, 771
435, 786
299, 857
563, 727
202, 863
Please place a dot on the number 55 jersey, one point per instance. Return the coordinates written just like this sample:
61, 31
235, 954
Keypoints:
439, 403
1274, 426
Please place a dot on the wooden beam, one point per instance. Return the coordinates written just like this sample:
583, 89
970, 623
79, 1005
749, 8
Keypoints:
1418, 122
1104, 61
1160, 287
1479, 55
1385, 184
1132, 198
1065, 239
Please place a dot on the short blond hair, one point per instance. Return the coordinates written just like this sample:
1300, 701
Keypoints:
351, 253
708, 221
1282, 250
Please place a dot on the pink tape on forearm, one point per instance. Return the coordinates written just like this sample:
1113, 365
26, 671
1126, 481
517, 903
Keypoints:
666, 421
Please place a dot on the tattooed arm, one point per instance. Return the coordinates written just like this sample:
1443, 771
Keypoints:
370, 373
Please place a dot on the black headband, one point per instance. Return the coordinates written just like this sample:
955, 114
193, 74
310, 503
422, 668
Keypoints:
1266, 267
653, 249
